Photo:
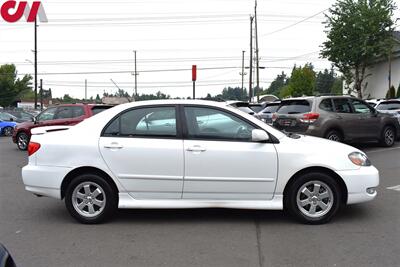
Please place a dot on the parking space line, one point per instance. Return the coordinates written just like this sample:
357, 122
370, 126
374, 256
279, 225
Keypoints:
395, 188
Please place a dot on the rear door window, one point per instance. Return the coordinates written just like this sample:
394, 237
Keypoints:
342, 105
294, 107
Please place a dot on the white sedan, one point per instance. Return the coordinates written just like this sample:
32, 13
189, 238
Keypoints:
193, 154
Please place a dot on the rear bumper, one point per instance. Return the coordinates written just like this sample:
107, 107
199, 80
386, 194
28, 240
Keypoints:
357, 183
43, 180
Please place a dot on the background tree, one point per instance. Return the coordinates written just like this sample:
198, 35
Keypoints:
358, 32
235, 93
398, 92
325, 81
11, 87
276, 86
301, 82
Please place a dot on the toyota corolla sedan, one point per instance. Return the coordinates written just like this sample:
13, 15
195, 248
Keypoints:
193, 154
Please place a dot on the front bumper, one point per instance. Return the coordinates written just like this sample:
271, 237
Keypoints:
44, 180
357, 183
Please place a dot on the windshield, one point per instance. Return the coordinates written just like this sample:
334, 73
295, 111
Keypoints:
294, 107
393, 105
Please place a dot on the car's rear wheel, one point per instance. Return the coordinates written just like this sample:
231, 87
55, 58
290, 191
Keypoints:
8, 131
22, 141
90, 199
313, 198
388, 136
334, 135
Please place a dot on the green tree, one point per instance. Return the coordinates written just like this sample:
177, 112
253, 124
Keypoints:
301, 82
337, 87
11, 87
276, 86
358, 32
325, 81
98, 100
235, 93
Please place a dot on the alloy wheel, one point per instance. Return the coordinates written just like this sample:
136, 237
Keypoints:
314, 199
89, 199
22, 141
389, 136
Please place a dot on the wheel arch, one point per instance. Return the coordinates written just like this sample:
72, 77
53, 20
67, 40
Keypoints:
325, 170
86, 170
335, 128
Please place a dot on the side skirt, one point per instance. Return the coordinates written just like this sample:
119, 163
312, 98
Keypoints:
127, 202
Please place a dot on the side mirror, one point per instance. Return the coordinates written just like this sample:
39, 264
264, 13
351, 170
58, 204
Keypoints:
259, 136
33, 119
11, 119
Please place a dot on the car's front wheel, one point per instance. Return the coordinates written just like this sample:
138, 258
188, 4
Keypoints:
90, 199
22, 141
313, 198
388, 136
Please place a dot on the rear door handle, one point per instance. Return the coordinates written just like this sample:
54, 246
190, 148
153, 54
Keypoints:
196, 149
113, 146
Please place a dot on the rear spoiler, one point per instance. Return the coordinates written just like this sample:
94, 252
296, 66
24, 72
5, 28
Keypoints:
48, 129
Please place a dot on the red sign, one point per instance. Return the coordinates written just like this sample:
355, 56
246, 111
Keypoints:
11, 11
194, 73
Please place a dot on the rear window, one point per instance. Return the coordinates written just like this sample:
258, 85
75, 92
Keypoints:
294, 107
98, 109
392, 105
270, 109
256, 108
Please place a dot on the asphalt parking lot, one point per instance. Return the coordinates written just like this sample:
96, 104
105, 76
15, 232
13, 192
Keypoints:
40, 232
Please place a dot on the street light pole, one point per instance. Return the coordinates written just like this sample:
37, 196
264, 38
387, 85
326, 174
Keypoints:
251, 60
243, 73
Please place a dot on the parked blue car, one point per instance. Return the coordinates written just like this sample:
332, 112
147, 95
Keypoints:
7, 127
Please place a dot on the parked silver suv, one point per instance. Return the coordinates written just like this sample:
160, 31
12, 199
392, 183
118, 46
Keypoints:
338, 118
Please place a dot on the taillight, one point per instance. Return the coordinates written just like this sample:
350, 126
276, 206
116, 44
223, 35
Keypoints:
32, 148
309, 118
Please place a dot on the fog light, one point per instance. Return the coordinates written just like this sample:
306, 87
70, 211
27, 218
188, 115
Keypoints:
371, 190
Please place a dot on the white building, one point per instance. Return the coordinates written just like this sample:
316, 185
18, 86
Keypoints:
376, 85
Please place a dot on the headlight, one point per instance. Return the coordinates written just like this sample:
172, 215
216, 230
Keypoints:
359, 159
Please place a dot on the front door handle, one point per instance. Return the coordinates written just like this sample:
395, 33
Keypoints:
113, 146
196, 149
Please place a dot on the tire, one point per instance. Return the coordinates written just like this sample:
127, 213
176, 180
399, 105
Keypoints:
334, 135
90, 199
22, 141
388, 136
309, 205
8, 131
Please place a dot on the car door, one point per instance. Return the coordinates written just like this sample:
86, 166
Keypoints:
346, 118
143, 147
369, 123
221, 161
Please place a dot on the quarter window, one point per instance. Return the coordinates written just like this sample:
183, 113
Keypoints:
207, 123
155, 122
326, 105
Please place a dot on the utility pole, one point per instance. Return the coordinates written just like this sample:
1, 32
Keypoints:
41, 94
257, 58
251, 59
36, 85
85, 89
136, 74
390, 71
243, 73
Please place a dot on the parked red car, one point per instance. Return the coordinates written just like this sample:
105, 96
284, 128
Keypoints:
69, 114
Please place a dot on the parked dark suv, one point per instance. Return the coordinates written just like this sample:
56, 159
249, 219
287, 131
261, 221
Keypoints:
338, 118
68, 114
